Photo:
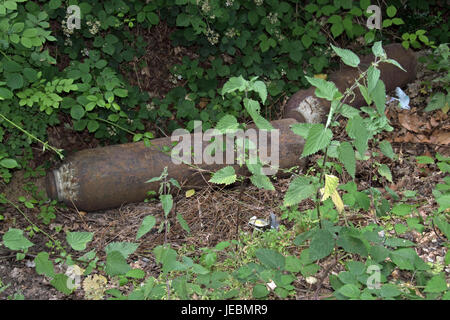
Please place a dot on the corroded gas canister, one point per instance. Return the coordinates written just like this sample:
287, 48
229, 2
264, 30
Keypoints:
304, 106
108, 177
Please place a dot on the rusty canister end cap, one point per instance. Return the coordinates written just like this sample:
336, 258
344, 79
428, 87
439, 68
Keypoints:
50, 185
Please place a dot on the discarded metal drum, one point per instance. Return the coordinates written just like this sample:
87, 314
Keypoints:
304, 106
108, 177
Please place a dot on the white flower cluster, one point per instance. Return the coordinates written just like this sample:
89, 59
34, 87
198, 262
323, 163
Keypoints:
259, 2
273, 17
66, 30
278, 35
213, 37
85, 52
230, 33
93, 26
229, 3
111, 131
150, 106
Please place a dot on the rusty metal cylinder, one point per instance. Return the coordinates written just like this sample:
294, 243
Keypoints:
304, 106
110, 176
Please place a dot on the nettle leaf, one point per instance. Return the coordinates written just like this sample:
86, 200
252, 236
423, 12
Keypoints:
260, 88
293, 264
253, 108
227, 122
260, 291
233, 84
389, 290
318, 139
384, 171
116, 264
407, 259
437, 101
167, 203
395, 63
299, 189
125, 248
386, 148
349, 290
270, 258
350, 239
60, 282
436, 284
379, 96
225, 176
183, 223
147, 224
373, 75
357, 130
78, 240
347, 158
322, 244
15, 240
347, 56
443, 225
378, 50
44, 265
324, 89
302, 129
262, 182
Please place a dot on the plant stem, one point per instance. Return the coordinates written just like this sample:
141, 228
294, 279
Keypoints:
45, 144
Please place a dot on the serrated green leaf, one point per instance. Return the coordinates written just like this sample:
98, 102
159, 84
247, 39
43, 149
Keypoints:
15, 240
379, 96
233, 84
167, 203
60, 282
384, 171
270, 258
262, 182
260, 291
260, 88
44, 265
225, 176
116, 264
386, 149
322, 244
347, 158
183, 223
78, 240
349, 290
324, 89
299, 189
347, 56
125, 248
147, 224
378, 50
436, 284
389, 290
318, 139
